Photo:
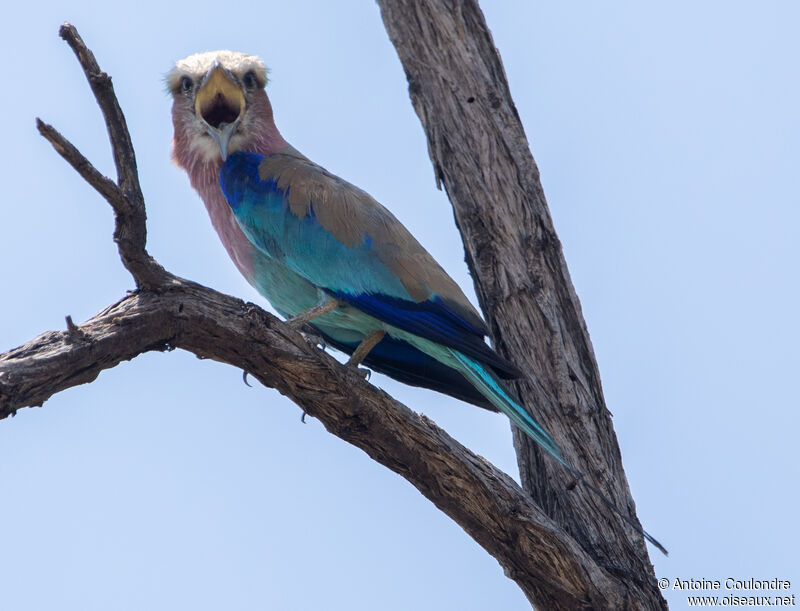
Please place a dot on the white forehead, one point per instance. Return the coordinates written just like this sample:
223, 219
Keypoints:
198, 64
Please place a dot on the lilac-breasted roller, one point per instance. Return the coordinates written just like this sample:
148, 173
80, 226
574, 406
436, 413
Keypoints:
323, 251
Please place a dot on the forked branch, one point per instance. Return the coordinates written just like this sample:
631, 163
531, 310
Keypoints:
168, 312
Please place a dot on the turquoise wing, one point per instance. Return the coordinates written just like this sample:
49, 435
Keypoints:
347, 244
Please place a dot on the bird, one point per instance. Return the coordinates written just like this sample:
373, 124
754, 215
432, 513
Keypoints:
305, 238
324, 253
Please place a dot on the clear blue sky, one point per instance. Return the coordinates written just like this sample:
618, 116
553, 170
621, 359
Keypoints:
667, 138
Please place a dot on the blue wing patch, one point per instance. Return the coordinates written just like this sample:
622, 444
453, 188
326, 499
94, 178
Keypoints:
403, 362
352, 273
433, 320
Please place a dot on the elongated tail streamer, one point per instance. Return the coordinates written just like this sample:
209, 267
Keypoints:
489, 387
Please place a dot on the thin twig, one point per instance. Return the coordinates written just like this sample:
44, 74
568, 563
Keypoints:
130, 232
103, 89
104, 185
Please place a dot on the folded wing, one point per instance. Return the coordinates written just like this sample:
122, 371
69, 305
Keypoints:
347, 244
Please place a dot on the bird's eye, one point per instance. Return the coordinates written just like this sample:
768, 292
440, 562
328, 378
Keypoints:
249, 80
186, 84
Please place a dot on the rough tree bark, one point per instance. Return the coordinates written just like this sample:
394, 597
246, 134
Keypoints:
481, 155
596, 562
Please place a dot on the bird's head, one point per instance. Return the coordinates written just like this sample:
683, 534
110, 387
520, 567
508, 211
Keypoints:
220, 106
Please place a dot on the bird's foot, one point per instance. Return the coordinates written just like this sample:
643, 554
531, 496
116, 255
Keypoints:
323, 307
363, 349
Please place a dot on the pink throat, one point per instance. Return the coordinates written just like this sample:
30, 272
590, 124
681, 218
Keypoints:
204, 177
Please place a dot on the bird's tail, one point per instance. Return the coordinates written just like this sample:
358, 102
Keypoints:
489, 387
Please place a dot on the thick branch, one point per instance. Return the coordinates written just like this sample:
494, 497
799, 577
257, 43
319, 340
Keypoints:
480, 153
484, 501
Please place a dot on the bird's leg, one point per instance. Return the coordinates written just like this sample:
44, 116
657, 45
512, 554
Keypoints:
367, 344
323, 307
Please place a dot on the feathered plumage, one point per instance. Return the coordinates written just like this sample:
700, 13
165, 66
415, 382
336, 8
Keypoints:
301, 235
289, 291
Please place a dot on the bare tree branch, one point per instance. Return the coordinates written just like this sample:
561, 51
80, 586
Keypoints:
102, 184
487, 503
131, 231
481, 155
166, 312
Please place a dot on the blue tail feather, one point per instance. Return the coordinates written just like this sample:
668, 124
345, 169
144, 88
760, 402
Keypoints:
488, 386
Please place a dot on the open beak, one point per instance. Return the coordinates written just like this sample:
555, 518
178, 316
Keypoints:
220, 105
